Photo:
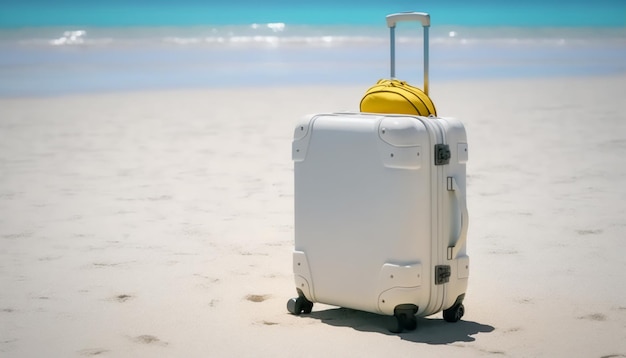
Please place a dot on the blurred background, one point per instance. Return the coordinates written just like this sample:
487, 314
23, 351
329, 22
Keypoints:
72, 46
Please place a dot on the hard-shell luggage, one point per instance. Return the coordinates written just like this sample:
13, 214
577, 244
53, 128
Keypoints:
395, 96
380, 215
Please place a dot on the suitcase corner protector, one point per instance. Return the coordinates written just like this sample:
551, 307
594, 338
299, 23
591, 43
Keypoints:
302, 274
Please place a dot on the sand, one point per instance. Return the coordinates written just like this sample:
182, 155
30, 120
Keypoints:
160, 224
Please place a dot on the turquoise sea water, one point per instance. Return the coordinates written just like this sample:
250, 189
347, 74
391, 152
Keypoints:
69, 46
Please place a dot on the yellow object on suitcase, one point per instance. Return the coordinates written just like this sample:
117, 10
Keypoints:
394, 96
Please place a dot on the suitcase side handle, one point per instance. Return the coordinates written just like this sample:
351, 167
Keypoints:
453, 251
392, 20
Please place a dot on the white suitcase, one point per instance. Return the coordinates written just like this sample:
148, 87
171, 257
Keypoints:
380, 215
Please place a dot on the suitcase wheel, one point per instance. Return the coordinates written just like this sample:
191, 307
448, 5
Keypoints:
454, 313
299, 305
405, 318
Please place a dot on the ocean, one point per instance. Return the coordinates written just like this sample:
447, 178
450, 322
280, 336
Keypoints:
77, 46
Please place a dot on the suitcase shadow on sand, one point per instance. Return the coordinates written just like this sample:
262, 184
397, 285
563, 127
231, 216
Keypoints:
429, 330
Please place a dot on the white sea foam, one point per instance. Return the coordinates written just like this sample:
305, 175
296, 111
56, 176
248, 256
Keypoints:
276, 26
281, 34
70, 38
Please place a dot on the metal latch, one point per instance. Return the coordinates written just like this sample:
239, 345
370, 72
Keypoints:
442, 274
442, 154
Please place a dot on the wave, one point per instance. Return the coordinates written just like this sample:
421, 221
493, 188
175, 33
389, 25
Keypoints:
281, 34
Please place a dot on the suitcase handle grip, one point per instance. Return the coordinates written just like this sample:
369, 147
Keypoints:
422, 17
453, 251
392, 20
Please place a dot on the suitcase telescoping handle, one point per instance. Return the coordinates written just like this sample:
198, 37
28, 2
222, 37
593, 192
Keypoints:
422, 17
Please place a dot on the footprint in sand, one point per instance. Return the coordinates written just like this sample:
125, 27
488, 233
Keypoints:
513, 330
92, 351
589, 232
599, 317
266, 323
207, 281
257, 298
149, 339
122, 298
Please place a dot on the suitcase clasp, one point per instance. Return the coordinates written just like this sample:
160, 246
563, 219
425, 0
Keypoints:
442, 154
442, 274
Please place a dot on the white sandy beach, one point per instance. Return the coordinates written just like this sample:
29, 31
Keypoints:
160, 224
